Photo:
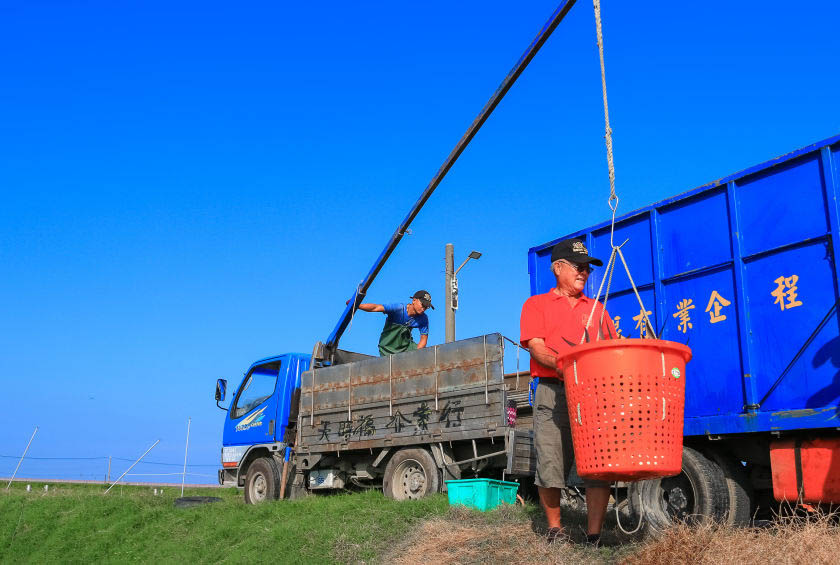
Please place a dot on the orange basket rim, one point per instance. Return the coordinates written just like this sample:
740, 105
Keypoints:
658, 344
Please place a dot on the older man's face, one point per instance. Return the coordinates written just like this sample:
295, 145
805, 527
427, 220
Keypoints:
571, 276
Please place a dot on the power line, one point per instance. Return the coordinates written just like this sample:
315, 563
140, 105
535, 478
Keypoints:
105, 458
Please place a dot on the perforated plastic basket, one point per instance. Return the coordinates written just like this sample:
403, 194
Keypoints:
626, 399
483, 494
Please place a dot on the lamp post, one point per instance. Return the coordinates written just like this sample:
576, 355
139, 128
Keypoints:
452, 288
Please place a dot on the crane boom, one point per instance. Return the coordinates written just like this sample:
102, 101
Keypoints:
509, 80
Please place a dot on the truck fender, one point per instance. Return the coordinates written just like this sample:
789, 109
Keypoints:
276, 450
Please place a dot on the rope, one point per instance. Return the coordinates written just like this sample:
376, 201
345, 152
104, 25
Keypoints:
612, 202
641, 511
610, 270
636, 291
608, 130
597, 296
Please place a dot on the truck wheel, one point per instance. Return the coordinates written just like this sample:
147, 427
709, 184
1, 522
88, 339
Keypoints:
738, 509
697, 495
262, 482
411, 474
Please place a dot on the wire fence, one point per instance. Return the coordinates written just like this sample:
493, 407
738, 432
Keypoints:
101, 468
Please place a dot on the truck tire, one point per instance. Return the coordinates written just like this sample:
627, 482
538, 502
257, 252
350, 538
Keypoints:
262, 482
738, 509
698, 495
411, 474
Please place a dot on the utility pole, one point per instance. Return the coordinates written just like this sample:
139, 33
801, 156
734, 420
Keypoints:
450, 278
452, 288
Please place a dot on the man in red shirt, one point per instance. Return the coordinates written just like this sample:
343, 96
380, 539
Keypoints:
550, 325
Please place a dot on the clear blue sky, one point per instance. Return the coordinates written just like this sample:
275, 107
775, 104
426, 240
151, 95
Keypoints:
188, 187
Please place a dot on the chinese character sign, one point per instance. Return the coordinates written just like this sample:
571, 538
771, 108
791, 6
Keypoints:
716, 304
786, 292
682, 313
617, 322
641, 325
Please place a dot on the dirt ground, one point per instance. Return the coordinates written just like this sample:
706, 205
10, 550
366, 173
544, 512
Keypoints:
516, 535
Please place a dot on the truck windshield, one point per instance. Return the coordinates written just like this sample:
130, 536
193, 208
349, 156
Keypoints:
258, 387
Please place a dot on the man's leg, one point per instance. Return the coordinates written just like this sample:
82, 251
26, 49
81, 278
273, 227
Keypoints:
548, 443
550, 499
596, 508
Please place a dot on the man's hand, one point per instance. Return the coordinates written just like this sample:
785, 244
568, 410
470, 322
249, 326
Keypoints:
543, 355
423, 340
372, 307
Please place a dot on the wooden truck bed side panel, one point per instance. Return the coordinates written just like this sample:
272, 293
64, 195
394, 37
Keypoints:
442, 393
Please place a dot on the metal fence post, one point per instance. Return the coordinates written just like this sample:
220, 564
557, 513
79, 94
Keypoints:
21, 458
132, 466
186, 448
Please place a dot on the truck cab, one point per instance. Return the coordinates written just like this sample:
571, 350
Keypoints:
261, 415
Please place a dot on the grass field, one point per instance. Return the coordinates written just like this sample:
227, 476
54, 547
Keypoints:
76, 523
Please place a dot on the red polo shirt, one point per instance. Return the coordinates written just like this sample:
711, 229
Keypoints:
553, 318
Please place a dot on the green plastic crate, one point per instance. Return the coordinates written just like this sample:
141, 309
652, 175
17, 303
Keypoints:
482, 494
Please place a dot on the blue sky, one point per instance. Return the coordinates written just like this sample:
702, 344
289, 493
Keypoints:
187, 187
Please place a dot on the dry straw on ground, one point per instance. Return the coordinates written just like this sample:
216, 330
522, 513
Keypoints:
515, 535
811, 539
507, 535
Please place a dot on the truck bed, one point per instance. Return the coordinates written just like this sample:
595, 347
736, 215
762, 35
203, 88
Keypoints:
442, 393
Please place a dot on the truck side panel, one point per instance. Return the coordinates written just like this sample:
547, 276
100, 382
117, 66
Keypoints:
442, 393
463, 414
743, 270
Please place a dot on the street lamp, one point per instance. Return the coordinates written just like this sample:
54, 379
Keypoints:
472, 255
452, 289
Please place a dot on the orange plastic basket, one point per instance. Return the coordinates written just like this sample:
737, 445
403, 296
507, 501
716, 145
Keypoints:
626, 399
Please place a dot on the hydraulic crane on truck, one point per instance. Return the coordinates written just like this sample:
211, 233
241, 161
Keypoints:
324, 352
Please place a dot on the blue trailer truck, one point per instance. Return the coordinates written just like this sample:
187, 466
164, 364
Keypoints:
744, 271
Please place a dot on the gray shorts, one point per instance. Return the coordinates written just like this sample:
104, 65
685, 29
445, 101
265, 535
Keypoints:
553, 437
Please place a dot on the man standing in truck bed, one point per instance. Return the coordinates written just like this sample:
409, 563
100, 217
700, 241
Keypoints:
401, 318
552, 323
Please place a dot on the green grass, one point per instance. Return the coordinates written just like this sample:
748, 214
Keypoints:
77, 523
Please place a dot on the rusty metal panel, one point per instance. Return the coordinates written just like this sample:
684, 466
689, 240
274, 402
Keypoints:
460, 415
430, 371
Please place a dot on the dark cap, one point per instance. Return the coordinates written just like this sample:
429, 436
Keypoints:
425, 298
575, 251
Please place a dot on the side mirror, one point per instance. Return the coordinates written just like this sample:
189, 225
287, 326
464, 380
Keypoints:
221, 389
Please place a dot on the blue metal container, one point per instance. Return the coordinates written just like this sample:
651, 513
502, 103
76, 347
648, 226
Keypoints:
743, 270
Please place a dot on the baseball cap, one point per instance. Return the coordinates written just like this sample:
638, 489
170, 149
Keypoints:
424, 297
575, 251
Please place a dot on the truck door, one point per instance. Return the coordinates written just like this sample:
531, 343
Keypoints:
253, 413
288, 393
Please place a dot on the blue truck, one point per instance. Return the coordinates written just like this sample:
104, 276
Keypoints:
404, 423
743, 270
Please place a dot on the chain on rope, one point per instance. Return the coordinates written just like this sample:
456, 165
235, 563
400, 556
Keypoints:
612, 201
